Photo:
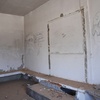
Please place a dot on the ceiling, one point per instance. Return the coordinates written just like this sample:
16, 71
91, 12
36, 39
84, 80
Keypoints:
19, 7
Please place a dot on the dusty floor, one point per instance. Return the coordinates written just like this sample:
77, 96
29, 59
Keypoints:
83, 86
14, 90
79, 85
51, 93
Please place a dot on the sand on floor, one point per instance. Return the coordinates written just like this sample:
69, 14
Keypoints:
14, 90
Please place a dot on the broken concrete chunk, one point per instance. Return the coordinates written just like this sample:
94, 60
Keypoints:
95, 92
40, 92
51, 85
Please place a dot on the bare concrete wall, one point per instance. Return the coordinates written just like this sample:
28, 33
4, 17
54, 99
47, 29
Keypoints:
68, 64
94, 22
79, 63
11, 42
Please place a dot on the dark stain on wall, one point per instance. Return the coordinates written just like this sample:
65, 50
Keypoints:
61, 15
48, 30
85, 44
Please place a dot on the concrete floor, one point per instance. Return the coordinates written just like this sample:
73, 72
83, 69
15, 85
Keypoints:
51, 94
14, 90
17, 89
83, 86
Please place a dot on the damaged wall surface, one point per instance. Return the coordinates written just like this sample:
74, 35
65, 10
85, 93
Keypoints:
11, 42
61, 39
48, 53
56, 54
66, 47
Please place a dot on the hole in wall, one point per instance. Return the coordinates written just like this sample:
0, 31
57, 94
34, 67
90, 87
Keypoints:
61, 15
68, 91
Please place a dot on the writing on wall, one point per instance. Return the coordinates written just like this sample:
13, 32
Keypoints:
96, 24
35, 41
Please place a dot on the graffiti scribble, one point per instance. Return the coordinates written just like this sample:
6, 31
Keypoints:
96, 24
35, 41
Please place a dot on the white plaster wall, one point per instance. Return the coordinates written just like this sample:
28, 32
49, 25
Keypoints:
66, 47
11, 42
36, 39
94, 22
68, 66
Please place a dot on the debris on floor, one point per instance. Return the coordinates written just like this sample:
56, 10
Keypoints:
40, 92
95, 92
58, 87
14, 90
